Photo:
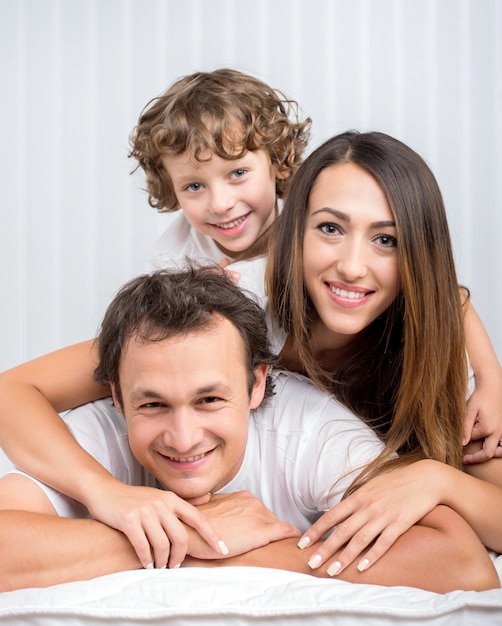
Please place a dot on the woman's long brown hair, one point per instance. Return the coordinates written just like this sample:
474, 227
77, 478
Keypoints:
407, 379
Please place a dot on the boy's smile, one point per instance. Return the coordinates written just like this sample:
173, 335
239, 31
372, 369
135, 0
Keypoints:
186, 401
231, 201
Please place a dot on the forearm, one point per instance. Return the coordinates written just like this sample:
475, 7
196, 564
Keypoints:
33, 435
39, 550
482, 355
440, 554
476, 495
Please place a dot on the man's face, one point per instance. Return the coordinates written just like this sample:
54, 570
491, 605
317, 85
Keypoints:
186, 402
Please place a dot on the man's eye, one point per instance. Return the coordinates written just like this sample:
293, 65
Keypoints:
210, 400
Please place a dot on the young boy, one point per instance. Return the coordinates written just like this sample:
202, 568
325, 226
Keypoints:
221, 146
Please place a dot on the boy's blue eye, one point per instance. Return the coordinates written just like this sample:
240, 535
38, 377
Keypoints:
238, 173
194, 187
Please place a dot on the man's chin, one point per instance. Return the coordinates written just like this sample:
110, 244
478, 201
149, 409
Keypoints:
196, 500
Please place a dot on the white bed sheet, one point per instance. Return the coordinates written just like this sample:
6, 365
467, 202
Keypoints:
242, 596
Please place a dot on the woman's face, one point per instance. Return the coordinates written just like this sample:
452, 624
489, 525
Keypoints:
350, 265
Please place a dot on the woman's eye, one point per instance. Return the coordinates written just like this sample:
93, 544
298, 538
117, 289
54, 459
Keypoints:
387, 241
329, 229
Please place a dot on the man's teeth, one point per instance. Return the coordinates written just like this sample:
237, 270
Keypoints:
351, 295
233, 224
186, 459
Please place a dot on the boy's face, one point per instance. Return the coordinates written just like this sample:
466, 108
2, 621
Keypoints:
232, 202
186, 403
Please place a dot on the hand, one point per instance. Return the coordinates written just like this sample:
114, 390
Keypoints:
483, 422
233, 275
156, 522
377, 513
244, 523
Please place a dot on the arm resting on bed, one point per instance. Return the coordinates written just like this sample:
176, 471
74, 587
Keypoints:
441, 554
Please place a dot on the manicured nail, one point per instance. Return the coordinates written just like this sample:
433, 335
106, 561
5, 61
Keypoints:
334, 568
362, 565
149, 566
303, 543
223, 548
315, 561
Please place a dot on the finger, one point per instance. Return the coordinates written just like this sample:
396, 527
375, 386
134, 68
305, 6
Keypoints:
331, 518
469, 422
177, 543
379, 548
341, 535
488, 451
234, 276
135, 532
199, 522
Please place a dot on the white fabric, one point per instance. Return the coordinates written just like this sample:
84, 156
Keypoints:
299, 443
180, 243
242, 596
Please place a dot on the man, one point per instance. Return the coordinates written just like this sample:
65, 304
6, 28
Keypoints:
187, 358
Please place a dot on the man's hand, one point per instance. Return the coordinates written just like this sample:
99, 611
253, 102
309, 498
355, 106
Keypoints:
243, 522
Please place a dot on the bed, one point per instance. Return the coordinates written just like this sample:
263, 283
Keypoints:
241, 596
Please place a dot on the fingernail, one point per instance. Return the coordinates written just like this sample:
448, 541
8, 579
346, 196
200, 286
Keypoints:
303, 543
176, 566
149, 566
315, 561
334, 568
362, 565
223, 548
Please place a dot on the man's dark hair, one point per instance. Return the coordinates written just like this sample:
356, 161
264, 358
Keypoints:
163, 304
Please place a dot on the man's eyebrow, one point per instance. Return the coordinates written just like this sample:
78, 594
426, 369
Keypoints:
214, 388
345, 217
141, 394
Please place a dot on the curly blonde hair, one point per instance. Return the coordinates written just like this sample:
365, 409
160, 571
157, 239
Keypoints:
224, 111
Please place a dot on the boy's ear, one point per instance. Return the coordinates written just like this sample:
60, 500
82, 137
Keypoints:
282, 174
115, 397
260, 377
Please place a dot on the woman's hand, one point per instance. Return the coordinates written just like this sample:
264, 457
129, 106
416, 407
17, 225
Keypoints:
483, 420
375, 515
156, 522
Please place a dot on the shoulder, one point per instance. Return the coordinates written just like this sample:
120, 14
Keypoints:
97, 422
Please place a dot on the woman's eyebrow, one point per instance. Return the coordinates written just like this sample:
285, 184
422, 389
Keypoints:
345, 217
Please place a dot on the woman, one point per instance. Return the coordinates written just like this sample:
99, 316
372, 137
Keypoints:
362, 282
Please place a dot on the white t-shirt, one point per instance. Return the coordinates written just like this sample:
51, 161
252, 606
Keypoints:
303, 450
180, 243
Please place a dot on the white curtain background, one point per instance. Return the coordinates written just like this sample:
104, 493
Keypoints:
75, 75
